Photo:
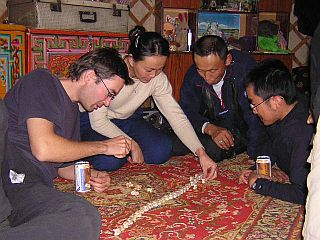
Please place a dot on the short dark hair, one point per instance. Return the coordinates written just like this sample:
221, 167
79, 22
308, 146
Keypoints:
105, 62
211, 44
270, 78
143, 44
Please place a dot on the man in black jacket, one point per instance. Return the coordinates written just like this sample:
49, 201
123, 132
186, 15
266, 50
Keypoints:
273, 98
213, 98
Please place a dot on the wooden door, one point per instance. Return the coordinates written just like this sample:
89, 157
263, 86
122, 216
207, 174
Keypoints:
176, 67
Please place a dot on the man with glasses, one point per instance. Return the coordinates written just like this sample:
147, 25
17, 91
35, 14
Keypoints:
253, 107
43, 141
109, 94
273, 98
213, 98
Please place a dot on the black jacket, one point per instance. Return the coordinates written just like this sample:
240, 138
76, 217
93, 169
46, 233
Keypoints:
308, 14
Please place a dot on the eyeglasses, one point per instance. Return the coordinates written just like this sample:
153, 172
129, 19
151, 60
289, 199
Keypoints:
255, 106
109, 94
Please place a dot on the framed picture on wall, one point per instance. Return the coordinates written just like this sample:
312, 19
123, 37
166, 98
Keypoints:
225, 25
237, 29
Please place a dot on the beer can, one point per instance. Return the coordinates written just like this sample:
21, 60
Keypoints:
82, 176
263, 165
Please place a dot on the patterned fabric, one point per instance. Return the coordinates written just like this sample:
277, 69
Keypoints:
219, 209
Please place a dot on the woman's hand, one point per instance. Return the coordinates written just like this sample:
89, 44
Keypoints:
209, 167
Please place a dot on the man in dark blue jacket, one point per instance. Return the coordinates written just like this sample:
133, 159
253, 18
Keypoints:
213, 98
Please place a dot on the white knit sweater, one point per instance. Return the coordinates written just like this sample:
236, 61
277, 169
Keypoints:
133, 96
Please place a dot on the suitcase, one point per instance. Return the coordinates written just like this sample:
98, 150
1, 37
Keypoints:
69, 14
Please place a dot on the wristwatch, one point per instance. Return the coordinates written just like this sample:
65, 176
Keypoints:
254, 186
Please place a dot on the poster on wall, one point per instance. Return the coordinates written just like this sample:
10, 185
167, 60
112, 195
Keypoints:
237, 29
225, 25
175, 28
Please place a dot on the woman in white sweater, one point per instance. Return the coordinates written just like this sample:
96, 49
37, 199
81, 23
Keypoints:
148, 53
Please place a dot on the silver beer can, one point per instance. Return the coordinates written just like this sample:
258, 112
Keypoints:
82, 175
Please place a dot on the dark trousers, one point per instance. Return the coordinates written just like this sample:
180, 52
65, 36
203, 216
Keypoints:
156, 145
42, 212
217, 154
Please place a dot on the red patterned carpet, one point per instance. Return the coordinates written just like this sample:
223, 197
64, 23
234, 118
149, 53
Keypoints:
219, 209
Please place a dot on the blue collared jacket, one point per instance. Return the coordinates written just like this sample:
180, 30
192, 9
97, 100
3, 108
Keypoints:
201, 104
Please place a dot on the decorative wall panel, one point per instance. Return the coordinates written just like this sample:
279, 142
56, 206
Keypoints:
12, 55
56, 50
142, 12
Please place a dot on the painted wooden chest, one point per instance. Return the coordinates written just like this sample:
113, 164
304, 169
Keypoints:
57, 49
12, 55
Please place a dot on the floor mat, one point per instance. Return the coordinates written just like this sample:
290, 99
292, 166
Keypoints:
219, 209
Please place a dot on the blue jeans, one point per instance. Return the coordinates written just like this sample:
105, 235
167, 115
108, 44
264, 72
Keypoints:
156, 146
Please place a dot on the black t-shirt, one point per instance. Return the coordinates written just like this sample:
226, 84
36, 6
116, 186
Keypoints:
39, 94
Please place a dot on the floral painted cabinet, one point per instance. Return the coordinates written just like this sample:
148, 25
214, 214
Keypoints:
12, 55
